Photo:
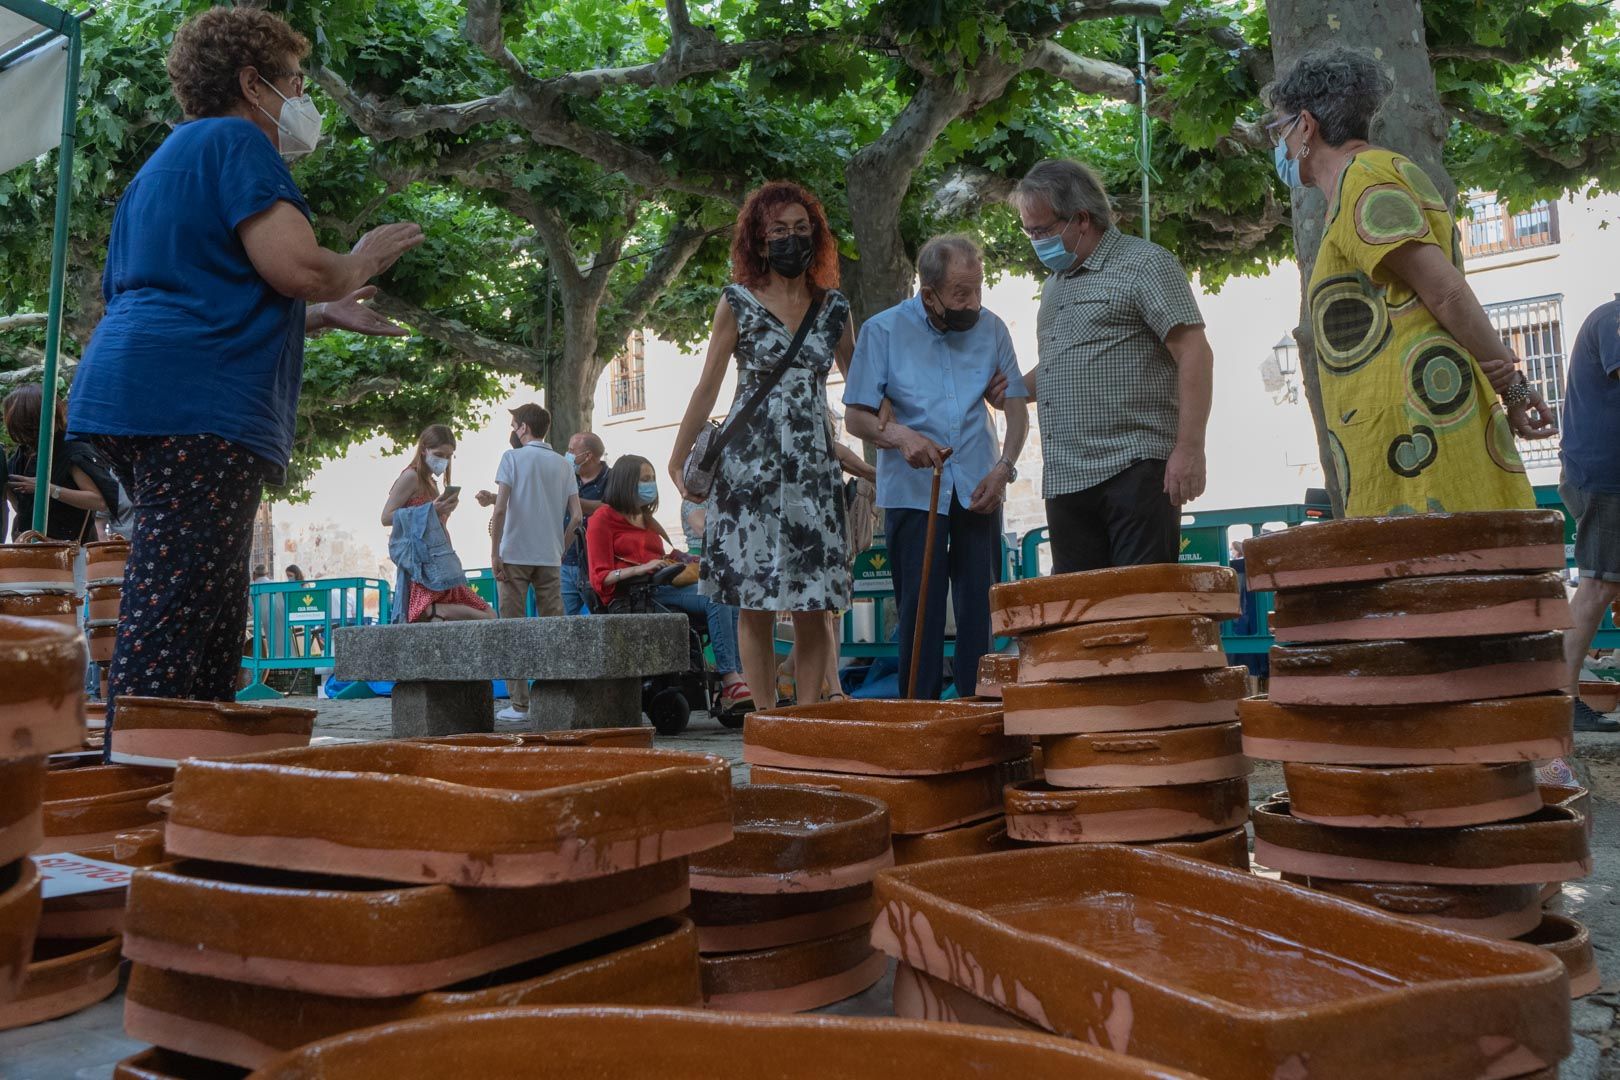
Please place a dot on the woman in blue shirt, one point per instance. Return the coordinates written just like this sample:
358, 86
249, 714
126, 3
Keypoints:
190, 384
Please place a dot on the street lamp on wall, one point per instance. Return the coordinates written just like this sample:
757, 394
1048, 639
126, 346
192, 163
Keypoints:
1279, 371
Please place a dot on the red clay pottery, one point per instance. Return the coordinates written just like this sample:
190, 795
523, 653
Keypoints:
917, 804
102, 636
876, 737
793, 839
1130, 647
1414, 545
1189, 755
1127, 592
1411, 797
1464, 605
22, 786
247, 1025
352, 937
920, 996
104, 560
19, 916
64, 977
34, 566
1229, 848
1549, 845
102, 602
1045, 814
1600, 694
41, 688
995, 671
1223, 973
626, 737
1417, 672
744, 922
588, 1043
154, 1063
162, 731
100, 914
1569, 941
501, 817
1493, 911
792, 978
1125, 702
1533, 728
89, 807
1571, 797
977, 839
58, 606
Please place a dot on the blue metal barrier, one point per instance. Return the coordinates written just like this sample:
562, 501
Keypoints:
292, 624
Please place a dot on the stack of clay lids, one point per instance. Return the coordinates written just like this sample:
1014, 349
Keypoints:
104, 591
939, 766
784, 911
321, 889
1417, 683
89, 807
37, 582
1224, 973
162, 731
1123, 679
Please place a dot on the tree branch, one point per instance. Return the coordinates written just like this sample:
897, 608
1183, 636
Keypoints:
483, 28
1492, 124
680, 245
1087, 75
357, 391
22, 320
382, 119
497, 355
559, 244
965, 191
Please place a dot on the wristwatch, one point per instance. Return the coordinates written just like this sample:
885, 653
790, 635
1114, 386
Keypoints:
1012, 469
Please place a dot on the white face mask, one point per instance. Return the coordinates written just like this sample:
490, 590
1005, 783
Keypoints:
298, 128
437, 464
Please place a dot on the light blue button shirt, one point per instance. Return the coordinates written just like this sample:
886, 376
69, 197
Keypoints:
936, 381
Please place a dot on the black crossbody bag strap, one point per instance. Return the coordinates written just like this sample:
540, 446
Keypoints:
746, 413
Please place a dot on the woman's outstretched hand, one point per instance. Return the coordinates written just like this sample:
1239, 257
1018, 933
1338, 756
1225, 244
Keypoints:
352, 314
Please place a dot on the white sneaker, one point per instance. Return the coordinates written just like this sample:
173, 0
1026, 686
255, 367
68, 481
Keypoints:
509, 713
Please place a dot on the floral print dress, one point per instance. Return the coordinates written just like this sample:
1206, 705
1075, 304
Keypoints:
775, 535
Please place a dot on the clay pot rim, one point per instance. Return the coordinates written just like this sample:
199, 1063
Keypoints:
1278, 806
59, 642
1558, 932
1112, 582
226, 709
1398, 772
956, 712
856, 817
25, 882
92, 954
40, 590
37, 545
1191, 731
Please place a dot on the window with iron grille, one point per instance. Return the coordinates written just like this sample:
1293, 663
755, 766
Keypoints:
1490, 229
628, 388
1534, 330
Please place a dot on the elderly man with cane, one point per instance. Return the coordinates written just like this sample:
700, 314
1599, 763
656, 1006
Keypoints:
933, 358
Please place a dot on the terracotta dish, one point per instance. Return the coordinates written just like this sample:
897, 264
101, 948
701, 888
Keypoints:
789, 839
1569, 941
629, 737
102, 601
33, 566
920, 996
1040, 812
1189, 755
1532, 728
1413, 796
745, 922
1601, 694
1570, 797
1464, 605
917, 804
22, 786
1493, 911
1129, 647
1229, 848
977, 839
41, 688
995, 671
1126, 702
1127, 592
1223, 973
504, 817
89, 807
792, 978
876, 737
157, 1064
1417, 672
19, 916
1414, 545
58, 606
162, 731
104, 560
65, 976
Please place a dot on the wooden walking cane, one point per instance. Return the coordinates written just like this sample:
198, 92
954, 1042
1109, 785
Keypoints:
928, 562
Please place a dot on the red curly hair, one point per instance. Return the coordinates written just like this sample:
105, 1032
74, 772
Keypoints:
749, 267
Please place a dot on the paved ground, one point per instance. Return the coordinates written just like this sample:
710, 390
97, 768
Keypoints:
85, 1046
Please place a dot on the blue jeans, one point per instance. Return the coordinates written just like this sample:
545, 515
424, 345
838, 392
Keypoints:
722, 621
967, 552
573, 599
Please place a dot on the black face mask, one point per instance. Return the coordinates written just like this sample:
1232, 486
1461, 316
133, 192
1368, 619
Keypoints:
959, 319
790, 256
517, 443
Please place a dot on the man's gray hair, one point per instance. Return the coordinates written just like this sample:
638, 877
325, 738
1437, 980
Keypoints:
593, 442
1340, 86
937, 256
1069, 188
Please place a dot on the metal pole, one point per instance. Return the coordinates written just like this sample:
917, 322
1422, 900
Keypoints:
59, 241
1145, 143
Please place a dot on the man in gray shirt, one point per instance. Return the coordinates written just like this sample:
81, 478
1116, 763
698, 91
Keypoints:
1124, 379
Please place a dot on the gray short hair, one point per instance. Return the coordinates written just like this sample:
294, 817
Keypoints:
935, 259
1069, 188
1341, 87
593, 442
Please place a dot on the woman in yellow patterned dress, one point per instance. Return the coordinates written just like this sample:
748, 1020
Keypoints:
1410, 366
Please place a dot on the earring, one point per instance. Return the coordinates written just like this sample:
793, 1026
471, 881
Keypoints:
1304, 152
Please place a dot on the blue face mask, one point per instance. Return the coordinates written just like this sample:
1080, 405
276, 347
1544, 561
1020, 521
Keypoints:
1051, 251
647, 492
569, 457
1287, 167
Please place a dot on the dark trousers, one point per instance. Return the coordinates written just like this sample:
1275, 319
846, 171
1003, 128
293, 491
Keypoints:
967, 557
1127, 520
185, 605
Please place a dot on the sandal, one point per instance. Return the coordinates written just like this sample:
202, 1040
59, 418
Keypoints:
736, 697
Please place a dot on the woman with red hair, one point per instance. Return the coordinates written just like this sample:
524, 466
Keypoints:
774, 537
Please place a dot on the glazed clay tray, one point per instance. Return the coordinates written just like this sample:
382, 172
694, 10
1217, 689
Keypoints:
1189, 755
22, 786
745, 922
789, 839
66, 975
980, 838
995, 671
162, 731
1493, 911
1569, 941
1222, 973
359, 938
1465, 605
793, 978
1534, 728
917, 804
242, 1024
878, 737
89, 807
1051, 815
1128, 647
1549, 845
682, 1044
1417, 672
155, 1063
19, 916
1125, 702
625, 737
1415, 545
1411, 797
41, 688
1128, 592
466, 815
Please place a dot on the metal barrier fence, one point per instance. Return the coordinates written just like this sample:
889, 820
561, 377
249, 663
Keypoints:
292, 624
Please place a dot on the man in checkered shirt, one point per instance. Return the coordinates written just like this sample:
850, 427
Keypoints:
1124, 378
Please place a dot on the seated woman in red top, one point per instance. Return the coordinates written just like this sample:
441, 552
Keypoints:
622, 545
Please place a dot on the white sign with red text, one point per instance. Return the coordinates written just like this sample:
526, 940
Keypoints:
74, 875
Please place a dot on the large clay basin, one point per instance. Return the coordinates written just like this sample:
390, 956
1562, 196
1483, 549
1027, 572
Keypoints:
1463, 605
1128, 647
877, 737
1417, 672
1229, 848
163, 731
995, 671
1406, 546
22, 787
1127, 592
1600, 694
41, 688
1413, 796
1223, 973
1568, 940
19, 916
1570, 797
1039, 812
247, 1025
57, 606
588, 1043
104, 560
35, 566
357, 938
1549, 845
155, 1063
627, 737
794, 839
920, 996
1495, 911
89, 807
1533, 728
980, 838
793, 978
505, 817
65, 975
1189, 755
917, 804
1125, 702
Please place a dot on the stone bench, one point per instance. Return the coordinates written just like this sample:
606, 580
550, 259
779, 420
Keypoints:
587, 669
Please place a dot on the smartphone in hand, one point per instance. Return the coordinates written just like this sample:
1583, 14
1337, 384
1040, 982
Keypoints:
452, 491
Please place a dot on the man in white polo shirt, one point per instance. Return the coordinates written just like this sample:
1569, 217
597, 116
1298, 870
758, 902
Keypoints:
536, 506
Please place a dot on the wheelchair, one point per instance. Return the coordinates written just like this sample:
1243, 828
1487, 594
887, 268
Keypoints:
669, 700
